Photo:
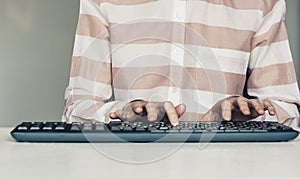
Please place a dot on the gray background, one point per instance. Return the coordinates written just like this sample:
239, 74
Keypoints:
36, 39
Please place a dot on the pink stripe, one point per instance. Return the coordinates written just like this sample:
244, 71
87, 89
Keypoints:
264, 5
198, 34
277, 33
91, 70
192, 78
267, 6
91, 26
238, 4
274, 75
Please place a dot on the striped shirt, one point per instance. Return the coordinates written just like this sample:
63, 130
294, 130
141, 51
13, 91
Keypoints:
195, 52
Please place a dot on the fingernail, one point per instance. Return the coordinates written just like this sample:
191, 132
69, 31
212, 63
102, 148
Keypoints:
138, 109
226, 118
261, 111
175, 123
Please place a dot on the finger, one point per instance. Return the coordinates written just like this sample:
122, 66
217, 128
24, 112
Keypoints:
113, 115
137, 107
123, 115
151, 111
243, 105
117, 115
268, 105
259, 108
171, 113
180, 109
227, 106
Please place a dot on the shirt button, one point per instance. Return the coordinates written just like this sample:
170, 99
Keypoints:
174, 90
179, 15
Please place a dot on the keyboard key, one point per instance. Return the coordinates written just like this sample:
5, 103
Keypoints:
157, 131
127, 129
146, 127
260, 130
24, 126
100, 127
61, 126
286, 128
36, 126
218, 130
49, 126
246, 130
231, 130
159, 124
164, 128
222, 128
115, 128
87, 127
75, 127
140, 128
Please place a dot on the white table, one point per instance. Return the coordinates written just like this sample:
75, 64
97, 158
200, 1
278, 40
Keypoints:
88, 161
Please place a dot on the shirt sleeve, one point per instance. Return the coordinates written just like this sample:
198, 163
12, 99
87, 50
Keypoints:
89, 93
271, 68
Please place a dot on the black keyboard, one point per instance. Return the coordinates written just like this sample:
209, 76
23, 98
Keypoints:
154, 132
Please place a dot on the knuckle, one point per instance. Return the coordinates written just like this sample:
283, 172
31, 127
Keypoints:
270, 104
172, 113
152, 114
272, 107
266, 101
254, 101
226, 102
119, 113
148, 105
225, 107
241, 98
243, 107
136, 104
150, 108
168, 103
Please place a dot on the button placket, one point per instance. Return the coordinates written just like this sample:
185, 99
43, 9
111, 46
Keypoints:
177, 49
